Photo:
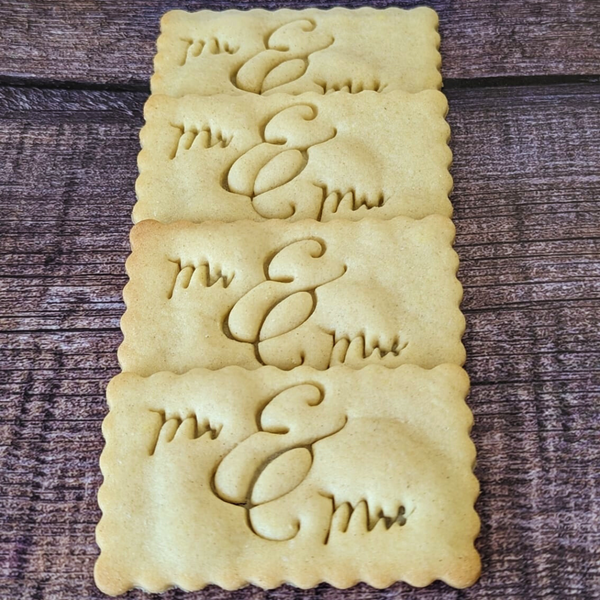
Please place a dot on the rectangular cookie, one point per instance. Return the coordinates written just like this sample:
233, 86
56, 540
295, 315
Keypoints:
310, 157
285, 294
268, 477
297, 51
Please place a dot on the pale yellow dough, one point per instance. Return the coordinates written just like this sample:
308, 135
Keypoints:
310, 157
286, 294
265, 477
289, 51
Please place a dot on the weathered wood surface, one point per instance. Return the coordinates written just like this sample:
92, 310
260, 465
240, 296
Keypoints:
527, 183
99, 42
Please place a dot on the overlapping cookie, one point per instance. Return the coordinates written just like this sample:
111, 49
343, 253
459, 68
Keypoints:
266, 477
292, 407
284, 157
292, 52
287, 294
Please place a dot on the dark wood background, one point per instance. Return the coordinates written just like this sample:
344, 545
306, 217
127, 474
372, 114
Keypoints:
523, 83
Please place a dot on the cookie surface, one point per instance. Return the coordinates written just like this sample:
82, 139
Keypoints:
265, 477
292, 52
286, 294
310, 157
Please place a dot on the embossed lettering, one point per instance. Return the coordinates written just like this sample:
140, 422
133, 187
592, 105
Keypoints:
203, 137
192, 48
189, 426
203, 274
264, 170
284, 59
287, 299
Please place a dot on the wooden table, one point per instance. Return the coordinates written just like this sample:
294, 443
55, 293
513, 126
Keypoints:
524, 92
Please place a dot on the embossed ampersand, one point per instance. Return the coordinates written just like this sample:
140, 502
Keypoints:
263, 172
275, 315
246, 475
271, 173
285, 58
306, 451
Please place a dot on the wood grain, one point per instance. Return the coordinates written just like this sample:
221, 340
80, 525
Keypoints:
112, 43
528, 233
